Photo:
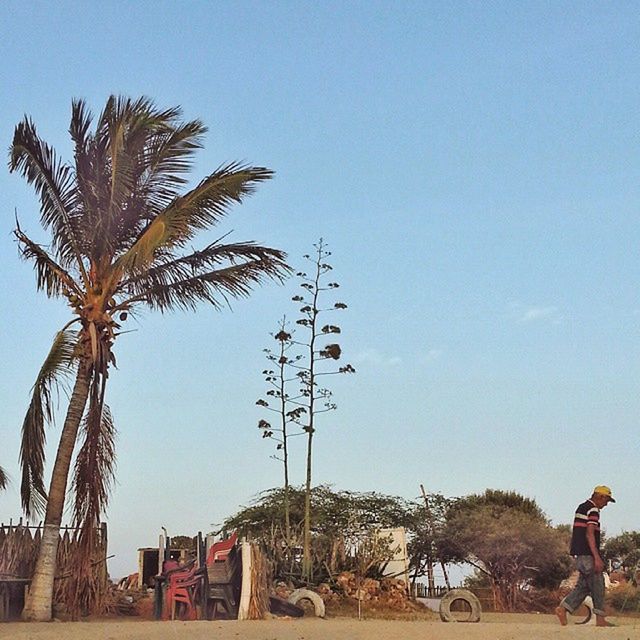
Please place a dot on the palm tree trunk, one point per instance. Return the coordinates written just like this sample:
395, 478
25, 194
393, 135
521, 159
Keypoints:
38, 604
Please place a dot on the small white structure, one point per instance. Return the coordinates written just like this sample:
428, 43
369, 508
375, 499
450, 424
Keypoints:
398, 566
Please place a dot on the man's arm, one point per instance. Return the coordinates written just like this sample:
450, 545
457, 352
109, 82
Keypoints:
598, 564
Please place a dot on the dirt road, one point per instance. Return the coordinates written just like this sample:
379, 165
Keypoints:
492, 627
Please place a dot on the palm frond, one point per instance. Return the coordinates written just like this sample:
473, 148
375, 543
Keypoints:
138, 157
92, 482
167, 158
56, 367
81, 119
198, 262
80, 124
169, 154
51, 277
95, 465
169, 287
124, 109
156, 178
198, 209
4, 479
128, 133
55, 184
154, 159
107, 177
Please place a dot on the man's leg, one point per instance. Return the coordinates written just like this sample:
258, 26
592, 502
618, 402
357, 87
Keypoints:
596, 583
582, 589
561, 612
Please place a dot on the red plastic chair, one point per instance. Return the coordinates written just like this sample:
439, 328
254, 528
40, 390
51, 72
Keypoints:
182, 588
220, 550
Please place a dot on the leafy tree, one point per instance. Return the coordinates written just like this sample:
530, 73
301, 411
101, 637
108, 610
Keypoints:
184, 542
310, 366
120, 227
625, 549
507, 537
550, 574
498, 502
343, 524
427, 543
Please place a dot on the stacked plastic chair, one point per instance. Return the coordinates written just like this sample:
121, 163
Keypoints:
182, 591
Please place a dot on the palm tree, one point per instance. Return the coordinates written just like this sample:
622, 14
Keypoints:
119, 226
4, 479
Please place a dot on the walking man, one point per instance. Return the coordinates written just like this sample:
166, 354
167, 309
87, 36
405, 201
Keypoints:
585, 548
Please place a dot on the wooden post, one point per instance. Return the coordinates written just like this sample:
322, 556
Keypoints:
158, 591
202, 564
430, 579
160, 553
245, 590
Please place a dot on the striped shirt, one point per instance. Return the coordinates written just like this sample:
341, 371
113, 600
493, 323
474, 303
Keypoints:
587, 515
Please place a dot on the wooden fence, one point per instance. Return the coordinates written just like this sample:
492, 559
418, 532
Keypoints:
19, 545
421, 590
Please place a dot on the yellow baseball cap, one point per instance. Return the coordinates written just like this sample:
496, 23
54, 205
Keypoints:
605, 491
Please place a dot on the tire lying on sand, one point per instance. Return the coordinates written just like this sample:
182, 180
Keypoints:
456, 595
314, 598
282, 607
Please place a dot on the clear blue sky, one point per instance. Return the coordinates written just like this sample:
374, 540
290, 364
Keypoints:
475, 170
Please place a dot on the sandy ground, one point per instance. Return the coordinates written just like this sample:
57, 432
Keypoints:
492, 627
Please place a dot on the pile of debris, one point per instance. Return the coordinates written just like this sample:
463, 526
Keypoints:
324, 590
388, 592
126, 599
327, 594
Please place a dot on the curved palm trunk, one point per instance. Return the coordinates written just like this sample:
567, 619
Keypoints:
38, 602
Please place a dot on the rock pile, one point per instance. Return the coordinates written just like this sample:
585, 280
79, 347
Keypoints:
388, 592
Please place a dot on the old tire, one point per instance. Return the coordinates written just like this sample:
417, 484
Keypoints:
312, 596
282, 607
457, 595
